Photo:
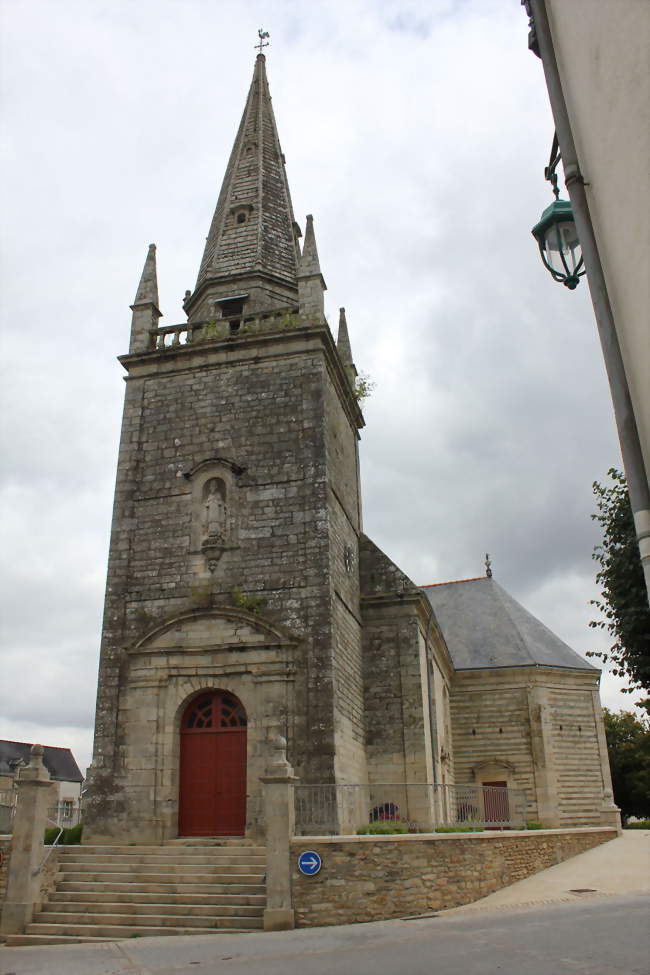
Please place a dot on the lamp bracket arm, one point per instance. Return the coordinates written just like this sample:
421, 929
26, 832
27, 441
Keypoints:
550, 171
572, 174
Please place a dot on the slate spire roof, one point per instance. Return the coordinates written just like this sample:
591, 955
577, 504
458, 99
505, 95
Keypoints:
253, 229
484, 627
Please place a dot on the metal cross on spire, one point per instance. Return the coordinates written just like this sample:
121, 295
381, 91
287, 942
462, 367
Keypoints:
262, 34
488, 565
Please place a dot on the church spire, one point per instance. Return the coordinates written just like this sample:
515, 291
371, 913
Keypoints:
145, 307
251, 252
311, 283
344, 348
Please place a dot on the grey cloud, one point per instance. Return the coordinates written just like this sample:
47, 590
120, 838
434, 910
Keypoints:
422, 161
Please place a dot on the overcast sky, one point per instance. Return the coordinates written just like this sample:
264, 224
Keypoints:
416, 132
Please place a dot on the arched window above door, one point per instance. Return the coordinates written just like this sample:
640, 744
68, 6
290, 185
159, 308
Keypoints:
214, 711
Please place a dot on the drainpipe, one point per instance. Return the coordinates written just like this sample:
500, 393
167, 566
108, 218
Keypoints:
637, 480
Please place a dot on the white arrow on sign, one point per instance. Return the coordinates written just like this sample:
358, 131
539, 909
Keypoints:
309, 863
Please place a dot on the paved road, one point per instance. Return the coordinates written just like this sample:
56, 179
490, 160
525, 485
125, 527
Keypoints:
593, 936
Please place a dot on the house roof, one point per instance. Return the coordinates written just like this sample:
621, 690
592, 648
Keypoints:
59, 762
484, 627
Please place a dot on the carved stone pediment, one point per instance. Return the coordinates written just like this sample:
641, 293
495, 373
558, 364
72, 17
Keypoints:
214, 629
492, 766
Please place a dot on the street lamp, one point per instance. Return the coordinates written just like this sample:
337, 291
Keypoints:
556, 233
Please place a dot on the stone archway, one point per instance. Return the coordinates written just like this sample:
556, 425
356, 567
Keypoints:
212, 794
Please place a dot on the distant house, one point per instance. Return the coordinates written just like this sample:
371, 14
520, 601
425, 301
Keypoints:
59, 762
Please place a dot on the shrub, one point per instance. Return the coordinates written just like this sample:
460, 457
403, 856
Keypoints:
251, 603
533, 824
383, 828
69, 837
72, 836
640, 824
459, 829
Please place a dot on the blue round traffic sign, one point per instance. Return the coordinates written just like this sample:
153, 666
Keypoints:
309, 863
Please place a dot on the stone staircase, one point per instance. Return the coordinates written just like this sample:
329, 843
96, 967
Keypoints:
107, 893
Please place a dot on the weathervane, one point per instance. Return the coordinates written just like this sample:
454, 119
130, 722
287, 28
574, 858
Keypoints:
488, 565
262, 34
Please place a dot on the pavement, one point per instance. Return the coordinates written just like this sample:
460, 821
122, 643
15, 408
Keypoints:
621, 866
587, 915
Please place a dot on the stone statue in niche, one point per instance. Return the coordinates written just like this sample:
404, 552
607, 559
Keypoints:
214, 512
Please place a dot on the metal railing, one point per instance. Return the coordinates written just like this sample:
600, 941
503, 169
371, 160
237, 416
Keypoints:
64, 814
326, 809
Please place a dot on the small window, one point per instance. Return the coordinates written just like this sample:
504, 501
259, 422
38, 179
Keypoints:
232, 307
241, 218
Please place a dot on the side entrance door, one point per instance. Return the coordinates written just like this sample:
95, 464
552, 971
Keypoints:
212, 799
496, 805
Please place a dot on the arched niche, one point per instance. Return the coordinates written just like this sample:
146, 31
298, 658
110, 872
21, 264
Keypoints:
215, 510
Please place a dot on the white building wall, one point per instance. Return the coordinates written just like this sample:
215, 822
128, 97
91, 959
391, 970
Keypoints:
601, 47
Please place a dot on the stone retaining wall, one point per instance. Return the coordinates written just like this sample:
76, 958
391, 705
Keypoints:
370, 878
5, 845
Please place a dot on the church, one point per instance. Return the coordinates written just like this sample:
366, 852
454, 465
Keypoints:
243, 599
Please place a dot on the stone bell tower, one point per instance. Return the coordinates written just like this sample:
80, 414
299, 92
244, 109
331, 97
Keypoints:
232, 599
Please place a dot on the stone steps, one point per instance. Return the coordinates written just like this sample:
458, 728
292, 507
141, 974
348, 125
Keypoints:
210, 841
25, 940
125, 862
149, 908
115, 932
52, 920
156, 877
238, 886
142, 897
106, 893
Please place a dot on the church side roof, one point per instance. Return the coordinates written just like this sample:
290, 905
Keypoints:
59, 762
484, 627
256, 181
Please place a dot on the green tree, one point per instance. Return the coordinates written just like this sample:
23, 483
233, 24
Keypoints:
624, 603
628, 746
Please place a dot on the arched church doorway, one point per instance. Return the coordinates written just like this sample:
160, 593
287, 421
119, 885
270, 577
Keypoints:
212, 799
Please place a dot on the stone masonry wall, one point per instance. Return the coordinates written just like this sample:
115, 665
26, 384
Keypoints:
394, 706
490, 722
542, 725
405, 661
258, 403
343, 529
577, 761
5, 851
369, 878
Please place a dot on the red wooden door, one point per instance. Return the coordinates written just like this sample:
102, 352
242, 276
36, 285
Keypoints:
496, 806
212, 798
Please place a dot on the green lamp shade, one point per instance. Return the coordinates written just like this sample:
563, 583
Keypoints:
558, 243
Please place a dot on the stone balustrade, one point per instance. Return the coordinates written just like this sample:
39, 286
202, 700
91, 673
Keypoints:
220, 329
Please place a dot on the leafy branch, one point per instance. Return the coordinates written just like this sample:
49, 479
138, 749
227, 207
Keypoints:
623, 605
